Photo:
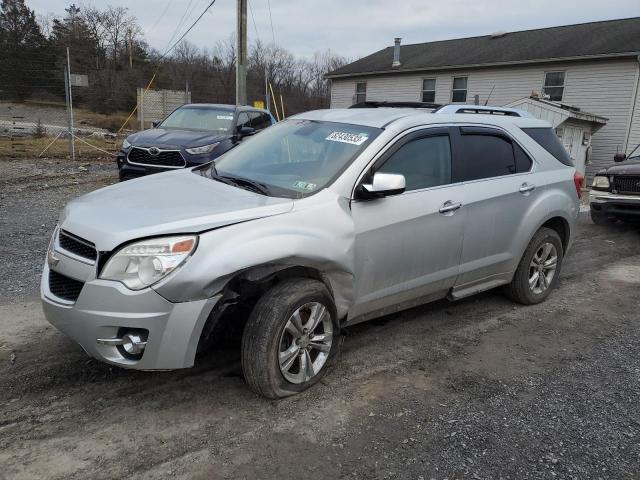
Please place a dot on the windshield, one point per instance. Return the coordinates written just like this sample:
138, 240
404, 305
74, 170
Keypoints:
295, 158
635, 155
200, 118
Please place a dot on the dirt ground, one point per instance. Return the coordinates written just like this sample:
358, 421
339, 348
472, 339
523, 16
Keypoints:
477, 389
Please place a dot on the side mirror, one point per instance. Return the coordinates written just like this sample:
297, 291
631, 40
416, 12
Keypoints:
245, 132
383, 185
154, 124
619, 157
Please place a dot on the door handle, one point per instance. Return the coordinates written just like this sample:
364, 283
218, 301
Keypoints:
527, 187
449, 207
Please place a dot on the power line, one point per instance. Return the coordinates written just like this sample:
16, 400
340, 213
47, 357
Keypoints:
273, 32
189, 29
179, 25
164, 11
254, 19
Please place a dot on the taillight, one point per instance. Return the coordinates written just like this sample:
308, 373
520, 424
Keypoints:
578, 179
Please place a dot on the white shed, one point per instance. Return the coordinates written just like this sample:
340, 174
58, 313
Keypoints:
573, 126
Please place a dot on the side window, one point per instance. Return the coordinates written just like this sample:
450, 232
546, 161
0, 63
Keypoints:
243, 120
523, 161
361, 92
547, 139
424, 162
554, 85
459, 90
486, 156
256, 120
429, 90
266, 120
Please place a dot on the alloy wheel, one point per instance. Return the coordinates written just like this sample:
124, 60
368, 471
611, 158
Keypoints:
542, 268
305, 343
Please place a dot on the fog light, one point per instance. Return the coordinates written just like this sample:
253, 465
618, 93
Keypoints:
133, 344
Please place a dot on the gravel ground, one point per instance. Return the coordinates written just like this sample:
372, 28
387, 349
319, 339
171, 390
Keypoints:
477, 389
32, 194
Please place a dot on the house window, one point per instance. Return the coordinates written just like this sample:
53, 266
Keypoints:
459, 90
361, 92
554, 85
429, 90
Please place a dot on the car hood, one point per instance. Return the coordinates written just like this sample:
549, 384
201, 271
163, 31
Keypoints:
174, 202
625, 168
172, 137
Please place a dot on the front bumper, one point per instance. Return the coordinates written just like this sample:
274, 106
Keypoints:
614, 205
105, 308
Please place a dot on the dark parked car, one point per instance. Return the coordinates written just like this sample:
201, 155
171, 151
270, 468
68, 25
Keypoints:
615, 192
191, 135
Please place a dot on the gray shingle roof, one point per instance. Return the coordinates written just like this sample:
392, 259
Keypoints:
610, 37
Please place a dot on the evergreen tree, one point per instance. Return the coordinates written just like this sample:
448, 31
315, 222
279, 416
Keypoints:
22, 49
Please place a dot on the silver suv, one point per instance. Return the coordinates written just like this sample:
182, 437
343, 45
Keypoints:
330, 218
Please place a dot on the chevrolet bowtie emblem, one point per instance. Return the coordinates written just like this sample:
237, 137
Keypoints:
52, 260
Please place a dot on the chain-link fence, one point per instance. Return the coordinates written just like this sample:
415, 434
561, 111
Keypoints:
41, 104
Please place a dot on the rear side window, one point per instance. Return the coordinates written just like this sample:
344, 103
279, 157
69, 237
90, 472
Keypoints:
547, 139
486, 156
523, 161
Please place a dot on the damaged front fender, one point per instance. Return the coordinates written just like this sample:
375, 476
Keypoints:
318, 234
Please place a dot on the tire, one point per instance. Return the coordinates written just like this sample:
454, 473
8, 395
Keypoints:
267, 338
520, 290
601, 218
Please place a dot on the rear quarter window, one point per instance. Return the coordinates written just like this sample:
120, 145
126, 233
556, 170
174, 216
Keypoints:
547, 139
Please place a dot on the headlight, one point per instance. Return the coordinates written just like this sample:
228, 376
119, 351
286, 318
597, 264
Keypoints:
126, 144
202, 149
141, 264
601, 182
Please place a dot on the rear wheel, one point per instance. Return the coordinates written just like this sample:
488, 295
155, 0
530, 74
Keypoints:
538, 271
291, 338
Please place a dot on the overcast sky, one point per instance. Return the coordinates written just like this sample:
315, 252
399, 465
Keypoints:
354, 28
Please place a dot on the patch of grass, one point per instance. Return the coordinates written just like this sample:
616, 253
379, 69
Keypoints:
111, 122
30, 147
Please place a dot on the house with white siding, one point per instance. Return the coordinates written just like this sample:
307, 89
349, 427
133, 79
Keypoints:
593, 68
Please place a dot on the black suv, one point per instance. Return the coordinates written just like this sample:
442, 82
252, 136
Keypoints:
191, 135
615, 192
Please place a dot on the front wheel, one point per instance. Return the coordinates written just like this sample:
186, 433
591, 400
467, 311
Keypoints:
291, 338
538, 271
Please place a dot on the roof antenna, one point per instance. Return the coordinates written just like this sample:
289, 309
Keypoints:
487, 100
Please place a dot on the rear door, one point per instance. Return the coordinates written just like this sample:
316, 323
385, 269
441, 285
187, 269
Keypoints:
500, 186
407, 246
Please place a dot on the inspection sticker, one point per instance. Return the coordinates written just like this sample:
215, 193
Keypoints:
345, 137
224, 117
305, 186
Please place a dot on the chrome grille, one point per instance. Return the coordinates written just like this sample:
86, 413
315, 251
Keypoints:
156, 157
626, 184
76, 245
64, 287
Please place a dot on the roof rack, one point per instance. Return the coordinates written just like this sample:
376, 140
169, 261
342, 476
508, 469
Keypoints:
450, 108
503, 111
372, 104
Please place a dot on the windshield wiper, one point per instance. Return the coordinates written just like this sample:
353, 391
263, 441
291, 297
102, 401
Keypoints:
243, 183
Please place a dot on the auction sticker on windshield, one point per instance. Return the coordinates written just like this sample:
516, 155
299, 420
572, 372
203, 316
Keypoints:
224, 117
305, 186
345, 137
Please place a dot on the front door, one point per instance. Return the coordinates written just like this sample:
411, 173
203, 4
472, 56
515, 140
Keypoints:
407, 246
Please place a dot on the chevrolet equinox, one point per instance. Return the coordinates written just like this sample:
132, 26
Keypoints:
330, 218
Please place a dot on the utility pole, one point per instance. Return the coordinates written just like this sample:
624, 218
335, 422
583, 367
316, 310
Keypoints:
266, 89
241, 60
67, 82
